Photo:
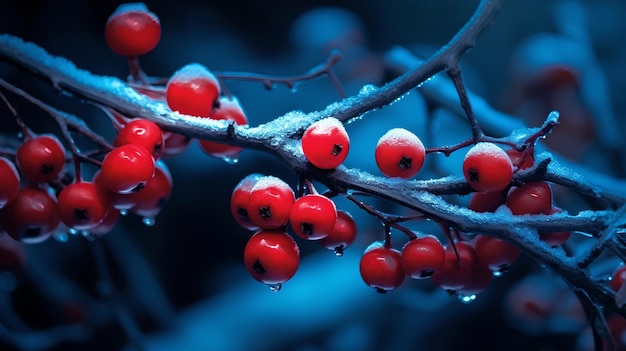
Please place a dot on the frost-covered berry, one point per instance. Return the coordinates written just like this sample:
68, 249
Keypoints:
132, 30
399, 153
487, 167
326, 143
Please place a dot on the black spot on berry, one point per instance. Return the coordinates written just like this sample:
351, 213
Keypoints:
306, 228
337, 149
265, 212
405, 163
427, 273
46, 169
242, 213
381, 291
473, 175
80, 215
138, 187
258, 267
31, 232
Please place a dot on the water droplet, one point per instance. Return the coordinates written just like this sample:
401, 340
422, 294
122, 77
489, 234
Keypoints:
149, 221
123, 212
61, 237
498, 273
20, 135
87, 235
230, 160
339, 251
72, 231
466, 298
275, 287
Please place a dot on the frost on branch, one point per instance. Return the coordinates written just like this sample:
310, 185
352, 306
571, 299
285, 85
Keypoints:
439, 200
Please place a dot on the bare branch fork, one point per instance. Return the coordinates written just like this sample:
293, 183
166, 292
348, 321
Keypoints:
280, 137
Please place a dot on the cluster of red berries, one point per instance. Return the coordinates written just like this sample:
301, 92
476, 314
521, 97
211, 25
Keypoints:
129, 179
267, 205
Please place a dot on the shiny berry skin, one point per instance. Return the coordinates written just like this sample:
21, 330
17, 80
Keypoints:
555, 238
313, 216
487, 168
422, 257
132, 30
239, 201
81, 206
495, 253
530, 198
456, 272
325, 143
127, 168
144, 133
271, 256
41, 159
154, 195
618, 277
516, 159
399, 153
31, 217
228, 109
342, 235
192, 90
270, 201
381, 268
9, 181
487, 202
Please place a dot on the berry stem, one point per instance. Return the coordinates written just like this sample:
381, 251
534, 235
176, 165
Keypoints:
26, 132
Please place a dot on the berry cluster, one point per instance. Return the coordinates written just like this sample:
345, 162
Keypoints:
267, 205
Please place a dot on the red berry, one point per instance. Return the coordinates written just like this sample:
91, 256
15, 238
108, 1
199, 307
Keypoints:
127, 168
530, 198
495, 253
9, 181
487, 202
229, 109
555, 238
326, 143
487, 168
516, 159
107, 224
31, 217
41, 159
269, 205
132, 30
480, 279
313, 216
239, 201
175, 143
81, 206
144, 133
618, 277
399, 153
381, 268
271, 257
422, 257
342, 235
151, 199
456, 272
192, 90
